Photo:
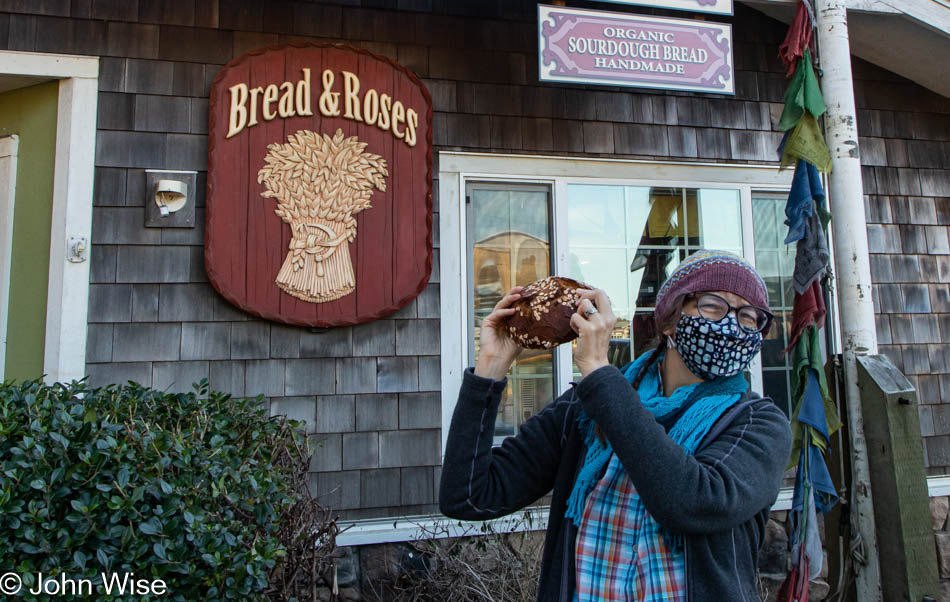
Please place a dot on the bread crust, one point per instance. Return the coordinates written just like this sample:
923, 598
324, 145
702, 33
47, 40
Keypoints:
543, 316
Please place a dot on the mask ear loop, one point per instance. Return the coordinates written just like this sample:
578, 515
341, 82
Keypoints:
669, 342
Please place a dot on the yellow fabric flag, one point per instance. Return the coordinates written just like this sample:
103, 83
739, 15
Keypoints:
806, 142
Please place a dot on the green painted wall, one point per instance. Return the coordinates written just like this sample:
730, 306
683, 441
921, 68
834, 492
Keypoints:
31, 114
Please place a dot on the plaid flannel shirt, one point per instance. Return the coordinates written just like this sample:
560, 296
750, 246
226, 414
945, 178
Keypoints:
620, 552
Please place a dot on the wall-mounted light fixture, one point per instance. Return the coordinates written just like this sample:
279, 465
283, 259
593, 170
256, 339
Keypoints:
170, 198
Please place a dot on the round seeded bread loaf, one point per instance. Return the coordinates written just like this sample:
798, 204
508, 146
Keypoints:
543, 319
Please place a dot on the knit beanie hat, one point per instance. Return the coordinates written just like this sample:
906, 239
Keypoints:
707, 270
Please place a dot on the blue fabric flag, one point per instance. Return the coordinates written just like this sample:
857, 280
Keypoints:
812, 467
812, 411
806, 187
826, 496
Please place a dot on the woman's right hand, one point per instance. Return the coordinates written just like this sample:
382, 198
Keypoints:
496, 349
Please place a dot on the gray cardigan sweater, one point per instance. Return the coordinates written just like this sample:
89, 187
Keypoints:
718, 498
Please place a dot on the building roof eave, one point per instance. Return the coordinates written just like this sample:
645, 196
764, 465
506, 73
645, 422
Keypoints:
902, 36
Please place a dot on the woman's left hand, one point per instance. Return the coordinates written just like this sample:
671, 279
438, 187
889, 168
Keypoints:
593, 330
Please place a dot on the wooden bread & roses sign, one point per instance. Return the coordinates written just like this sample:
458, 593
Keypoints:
319, 209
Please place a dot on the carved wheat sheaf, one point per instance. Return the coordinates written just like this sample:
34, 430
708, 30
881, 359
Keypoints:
320, 183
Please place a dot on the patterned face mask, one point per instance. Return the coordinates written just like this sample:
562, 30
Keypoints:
715, 349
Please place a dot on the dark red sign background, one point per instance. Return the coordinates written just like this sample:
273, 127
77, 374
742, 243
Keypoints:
246, 242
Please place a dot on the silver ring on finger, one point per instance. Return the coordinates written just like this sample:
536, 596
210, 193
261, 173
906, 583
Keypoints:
590, 311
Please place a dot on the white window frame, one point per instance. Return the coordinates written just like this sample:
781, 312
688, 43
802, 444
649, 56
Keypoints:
8, 159
457, 168
64, 356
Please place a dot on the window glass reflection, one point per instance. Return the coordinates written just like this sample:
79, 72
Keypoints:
666, 218
766, 229
718, 220
599, 220
627, 240
510, 233
599, 267
776, 263
767, 264
774, 342
650, 268
775, 384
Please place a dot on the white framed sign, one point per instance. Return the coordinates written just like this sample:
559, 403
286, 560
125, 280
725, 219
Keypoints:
719, 7
620, 49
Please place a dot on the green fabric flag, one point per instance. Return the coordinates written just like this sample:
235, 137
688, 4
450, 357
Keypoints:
803, 94
806, 142
808, 355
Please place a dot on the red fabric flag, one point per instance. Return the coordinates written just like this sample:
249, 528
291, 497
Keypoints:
795, 586
807, 309
798, 38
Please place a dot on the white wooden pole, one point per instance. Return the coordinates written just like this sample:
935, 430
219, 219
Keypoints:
853, 277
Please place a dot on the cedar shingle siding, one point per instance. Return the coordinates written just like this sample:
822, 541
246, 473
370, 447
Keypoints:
370, 392
905, 150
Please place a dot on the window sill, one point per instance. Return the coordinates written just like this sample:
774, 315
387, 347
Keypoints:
411, 528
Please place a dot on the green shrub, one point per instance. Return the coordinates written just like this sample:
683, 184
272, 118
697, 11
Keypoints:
200, 490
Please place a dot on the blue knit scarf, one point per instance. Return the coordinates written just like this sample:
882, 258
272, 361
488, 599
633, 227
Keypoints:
709, 400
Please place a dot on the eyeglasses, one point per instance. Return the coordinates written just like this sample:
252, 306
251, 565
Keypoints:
714, 308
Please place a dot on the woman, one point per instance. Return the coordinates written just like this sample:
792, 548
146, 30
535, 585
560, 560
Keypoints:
662, 474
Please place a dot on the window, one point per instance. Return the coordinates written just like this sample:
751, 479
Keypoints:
629, 239
775, 261
621, 225
509, 228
